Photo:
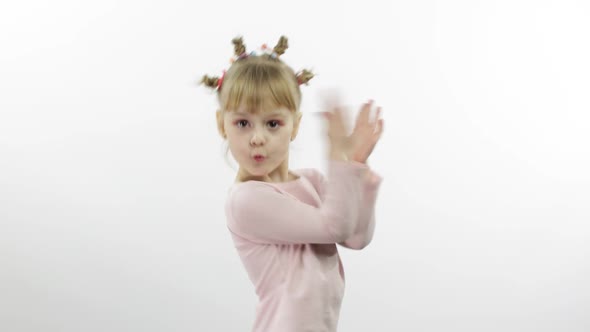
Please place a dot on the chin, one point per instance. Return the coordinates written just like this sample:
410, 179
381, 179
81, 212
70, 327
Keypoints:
258, 172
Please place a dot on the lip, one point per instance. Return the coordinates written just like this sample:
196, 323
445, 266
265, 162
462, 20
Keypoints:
259, 157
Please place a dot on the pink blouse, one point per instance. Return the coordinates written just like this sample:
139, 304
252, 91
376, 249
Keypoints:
286, 234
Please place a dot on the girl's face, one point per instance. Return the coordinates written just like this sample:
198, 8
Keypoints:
267, 134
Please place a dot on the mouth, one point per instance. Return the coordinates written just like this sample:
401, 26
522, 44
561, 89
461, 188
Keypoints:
259, 157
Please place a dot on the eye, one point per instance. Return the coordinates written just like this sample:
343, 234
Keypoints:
275, 121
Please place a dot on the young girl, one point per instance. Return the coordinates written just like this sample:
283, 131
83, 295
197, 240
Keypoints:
285, 223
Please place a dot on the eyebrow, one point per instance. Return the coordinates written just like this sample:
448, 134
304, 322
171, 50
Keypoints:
276, 113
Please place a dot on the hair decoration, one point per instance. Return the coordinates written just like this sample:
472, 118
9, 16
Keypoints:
304, 76
262, 50
220, 81
240, 53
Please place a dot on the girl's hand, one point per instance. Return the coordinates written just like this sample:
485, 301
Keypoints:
338, 137
360, 143
366, 133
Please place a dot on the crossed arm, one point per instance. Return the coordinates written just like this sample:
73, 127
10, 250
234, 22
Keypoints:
366, 217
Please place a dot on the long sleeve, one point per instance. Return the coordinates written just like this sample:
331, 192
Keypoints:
363, 234
261, 213
366, 223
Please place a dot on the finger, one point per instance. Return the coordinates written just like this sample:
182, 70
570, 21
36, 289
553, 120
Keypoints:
335, 127
365, 112
335, 113
379, 128
377, 115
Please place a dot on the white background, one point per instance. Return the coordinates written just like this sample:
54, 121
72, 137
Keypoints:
113, 176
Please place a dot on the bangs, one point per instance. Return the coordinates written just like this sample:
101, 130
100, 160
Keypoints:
257, 87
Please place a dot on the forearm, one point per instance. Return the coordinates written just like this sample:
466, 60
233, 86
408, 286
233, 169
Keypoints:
344, 181
361, 231
366, 223
363, 236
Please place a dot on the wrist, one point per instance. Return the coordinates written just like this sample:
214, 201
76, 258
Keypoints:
338, 155
359, 160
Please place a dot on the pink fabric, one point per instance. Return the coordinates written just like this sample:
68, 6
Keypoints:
286, 235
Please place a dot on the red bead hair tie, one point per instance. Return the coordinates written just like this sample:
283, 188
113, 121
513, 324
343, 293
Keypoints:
220, 81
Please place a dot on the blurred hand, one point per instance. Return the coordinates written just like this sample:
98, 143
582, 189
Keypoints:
338, 135
358, 145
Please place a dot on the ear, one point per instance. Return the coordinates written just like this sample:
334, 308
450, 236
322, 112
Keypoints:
296, 122
220, 123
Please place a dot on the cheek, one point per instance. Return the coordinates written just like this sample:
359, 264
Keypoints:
236, 149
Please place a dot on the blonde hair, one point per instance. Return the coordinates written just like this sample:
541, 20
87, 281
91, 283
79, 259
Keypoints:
259, 82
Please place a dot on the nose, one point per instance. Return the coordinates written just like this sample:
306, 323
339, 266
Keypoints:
257, 138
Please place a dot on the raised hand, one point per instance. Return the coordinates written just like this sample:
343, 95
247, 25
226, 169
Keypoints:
358, 145
366, 133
